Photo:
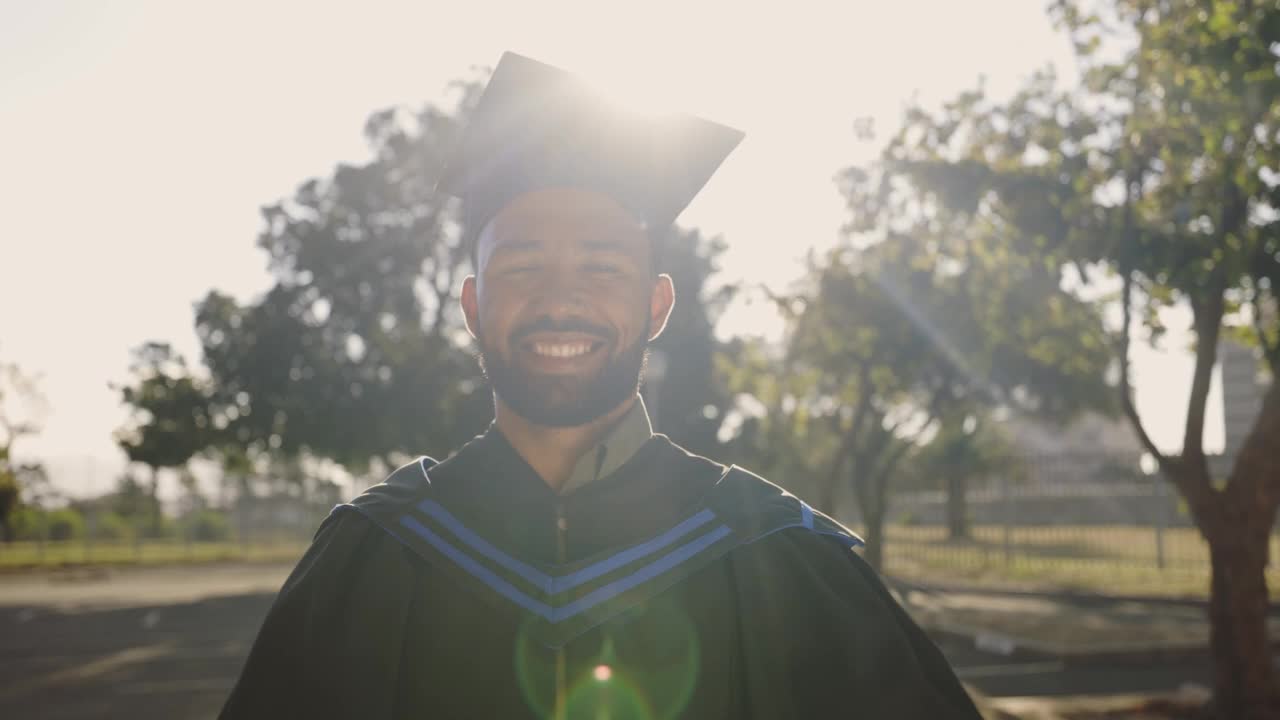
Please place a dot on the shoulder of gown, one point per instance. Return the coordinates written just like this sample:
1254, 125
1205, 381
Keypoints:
816, 613
352, 569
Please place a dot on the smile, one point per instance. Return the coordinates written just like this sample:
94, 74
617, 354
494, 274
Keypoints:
562, 349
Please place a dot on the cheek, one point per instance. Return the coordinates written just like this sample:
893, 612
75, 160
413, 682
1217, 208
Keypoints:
495, 312
631, 316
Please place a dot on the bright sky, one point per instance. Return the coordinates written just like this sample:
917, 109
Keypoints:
138, 139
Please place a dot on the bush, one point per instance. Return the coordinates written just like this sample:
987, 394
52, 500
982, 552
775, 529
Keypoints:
30, 523
64, 524
24, 524
208, 526
113, 526
147, 529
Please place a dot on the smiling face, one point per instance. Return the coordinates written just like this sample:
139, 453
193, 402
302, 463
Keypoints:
563, 305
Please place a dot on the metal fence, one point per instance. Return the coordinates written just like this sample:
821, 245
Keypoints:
1063, 523
268, 529
1093, 524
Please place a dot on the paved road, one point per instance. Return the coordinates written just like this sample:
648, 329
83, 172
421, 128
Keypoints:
167, 643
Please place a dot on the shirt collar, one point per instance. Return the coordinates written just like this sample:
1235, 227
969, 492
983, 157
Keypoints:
627, 436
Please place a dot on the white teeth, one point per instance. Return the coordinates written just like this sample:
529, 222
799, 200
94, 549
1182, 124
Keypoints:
561, 350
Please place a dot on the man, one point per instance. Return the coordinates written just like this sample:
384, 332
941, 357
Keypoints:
569, 563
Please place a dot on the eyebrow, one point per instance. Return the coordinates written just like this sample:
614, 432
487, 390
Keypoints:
604, 244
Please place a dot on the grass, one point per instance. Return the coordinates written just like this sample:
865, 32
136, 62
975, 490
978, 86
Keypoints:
1110, 560
29, 555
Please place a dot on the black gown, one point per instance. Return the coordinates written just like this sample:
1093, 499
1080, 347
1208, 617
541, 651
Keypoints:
673, 588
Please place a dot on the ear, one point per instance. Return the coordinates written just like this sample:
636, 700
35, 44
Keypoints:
470, 306
661, 301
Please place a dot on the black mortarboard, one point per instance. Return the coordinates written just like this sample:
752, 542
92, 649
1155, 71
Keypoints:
537, 126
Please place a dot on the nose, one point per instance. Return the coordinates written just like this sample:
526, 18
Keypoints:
560, 295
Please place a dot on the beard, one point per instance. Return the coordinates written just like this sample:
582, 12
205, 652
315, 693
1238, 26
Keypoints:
563, 401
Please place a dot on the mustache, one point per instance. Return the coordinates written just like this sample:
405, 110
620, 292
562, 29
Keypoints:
578, 325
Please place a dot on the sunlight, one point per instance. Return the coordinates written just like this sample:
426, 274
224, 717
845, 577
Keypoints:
795, 81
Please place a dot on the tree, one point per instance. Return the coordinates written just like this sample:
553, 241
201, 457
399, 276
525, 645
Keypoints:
858, 367
22, 408
920, 319
172, 416
965, 447
1157, 179
692, 398
358, 352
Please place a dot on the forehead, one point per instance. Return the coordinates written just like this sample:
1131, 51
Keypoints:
562, 218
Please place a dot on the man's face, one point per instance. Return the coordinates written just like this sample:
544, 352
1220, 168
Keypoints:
563, 305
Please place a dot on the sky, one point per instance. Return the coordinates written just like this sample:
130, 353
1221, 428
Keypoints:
139, 139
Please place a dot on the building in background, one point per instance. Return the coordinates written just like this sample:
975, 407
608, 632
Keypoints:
1243, 382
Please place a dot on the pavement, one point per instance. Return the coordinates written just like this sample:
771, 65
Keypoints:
142, 643
1072, 628
1072, 657
167, 642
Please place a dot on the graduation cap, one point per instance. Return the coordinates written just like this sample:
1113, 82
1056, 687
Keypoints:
537, 126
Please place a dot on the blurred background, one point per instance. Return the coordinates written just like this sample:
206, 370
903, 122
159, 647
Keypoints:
992, 283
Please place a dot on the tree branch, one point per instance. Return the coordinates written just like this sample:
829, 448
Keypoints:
1269, 351
1257, 459
864, 402
1207, 316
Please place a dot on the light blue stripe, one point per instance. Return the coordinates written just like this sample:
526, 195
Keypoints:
648, 572
581, 605
539, 579
480, 572
608, 565
850, 541
554, 585
806, 516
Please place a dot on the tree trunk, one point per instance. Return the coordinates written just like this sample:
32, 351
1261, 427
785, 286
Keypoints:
957, 507
1244, 681
1237, 522
154, 503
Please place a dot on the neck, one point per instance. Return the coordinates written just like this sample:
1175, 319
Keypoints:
553, 451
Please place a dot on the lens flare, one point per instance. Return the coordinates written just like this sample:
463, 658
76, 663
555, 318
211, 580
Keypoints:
617, 699
535, 667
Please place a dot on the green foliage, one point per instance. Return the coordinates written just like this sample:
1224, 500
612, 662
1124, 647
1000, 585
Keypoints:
24, 523
358, 351
159, 527
693, 397
21, 407
964, 446
1159, 175
64, 524
208, 526
1162, 167
171, 410
10, 496
113, 526
130, 499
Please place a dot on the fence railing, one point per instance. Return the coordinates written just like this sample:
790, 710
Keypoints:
1063, 523
1056, 528
272, 531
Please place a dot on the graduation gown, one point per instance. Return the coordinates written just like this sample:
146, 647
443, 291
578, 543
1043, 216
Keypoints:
672, 588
